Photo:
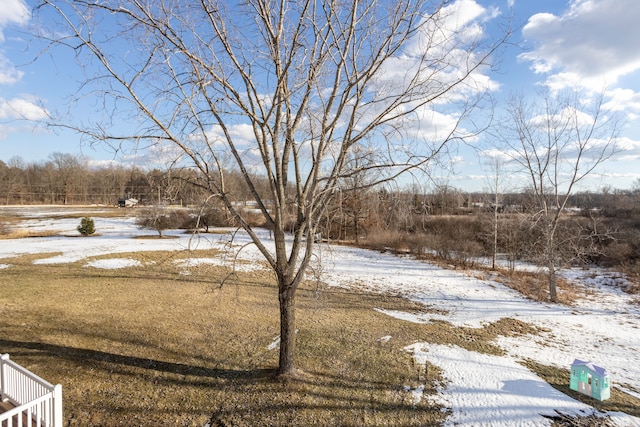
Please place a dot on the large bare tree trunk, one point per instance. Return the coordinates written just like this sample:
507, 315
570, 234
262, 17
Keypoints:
286, 297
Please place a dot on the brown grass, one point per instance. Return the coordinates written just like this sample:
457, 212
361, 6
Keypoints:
535, 286
532, 285
25, 234
150, 346
145, 346
10, 219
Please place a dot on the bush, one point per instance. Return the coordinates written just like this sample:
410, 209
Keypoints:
87, 227
157, 218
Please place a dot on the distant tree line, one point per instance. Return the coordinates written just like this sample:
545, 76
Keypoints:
600, 227
66, 179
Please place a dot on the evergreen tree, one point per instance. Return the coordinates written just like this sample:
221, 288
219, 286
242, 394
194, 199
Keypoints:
87, 226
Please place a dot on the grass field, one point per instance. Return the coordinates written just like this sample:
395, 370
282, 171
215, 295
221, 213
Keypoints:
146, 346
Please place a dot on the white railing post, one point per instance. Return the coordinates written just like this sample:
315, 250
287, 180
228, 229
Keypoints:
3, 375
57, 406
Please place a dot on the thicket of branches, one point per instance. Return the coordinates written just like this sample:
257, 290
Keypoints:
600, 228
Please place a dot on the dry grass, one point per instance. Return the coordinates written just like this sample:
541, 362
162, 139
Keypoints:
10, 219
143, 346
149, 346
24, 234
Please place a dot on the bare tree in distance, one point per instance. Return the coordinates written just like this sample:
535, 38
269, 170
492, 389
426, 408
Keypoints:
157, 218
355, 202
556, 142
496, 185
284, 90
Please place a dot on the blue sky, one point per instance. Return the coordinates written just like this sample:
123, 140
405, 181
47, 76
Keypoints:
590, 45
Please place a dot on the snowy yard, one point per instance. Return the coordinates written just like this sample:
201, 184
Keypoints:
481, 389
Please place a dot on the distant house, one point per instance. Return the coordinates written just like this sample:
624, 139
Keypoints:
127, 203
590, 379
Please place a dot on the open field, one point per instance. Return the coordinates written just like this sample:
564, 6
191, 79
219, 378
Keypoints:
143, 346
140, 332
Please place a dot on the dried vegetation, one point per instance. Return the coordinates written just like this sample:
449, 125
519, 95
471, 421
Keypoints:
151, 346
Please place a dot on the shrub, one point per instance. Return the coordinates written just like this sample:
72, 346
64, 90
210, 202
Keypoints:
157, 218
87, 227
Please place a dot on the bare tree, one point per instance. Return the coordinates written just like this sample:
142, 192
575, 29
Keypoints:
13, 186
557, 143
157, 218
355, 202
496, 185
496, 190
70, 177
281, 90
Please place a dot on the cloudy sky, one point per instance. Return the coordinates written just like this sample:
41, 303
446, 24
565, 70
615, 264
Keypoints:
590, 45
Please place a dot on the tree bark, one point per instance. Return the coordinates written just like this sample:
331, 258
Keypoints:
286, 296
553, 293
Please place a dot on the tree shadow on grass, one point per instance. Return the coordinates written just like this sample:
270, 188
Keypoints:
83, 356
239, 397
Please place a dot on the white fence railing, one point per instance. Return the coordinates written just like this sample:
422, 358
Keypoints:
38, 403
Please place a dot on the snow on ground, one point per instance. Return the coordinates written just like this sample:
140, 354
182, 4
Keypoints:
113, 263
600, 329
481, 390
605, 328
510, 392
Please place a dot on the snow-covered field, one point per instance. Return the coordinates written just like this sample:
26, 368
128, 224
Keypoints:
481, 390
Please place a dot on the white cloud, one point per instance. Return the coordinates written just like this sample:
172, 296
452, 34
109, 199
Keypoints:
8, 73
444, 51
625, 100
21, 109
593, 43
433, 125
17, 109
628, 149
492, 155
241, 133
13, 12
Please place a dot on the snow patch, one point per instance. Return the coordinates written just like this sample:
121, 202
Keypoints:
113, 263
486, 390
274, 344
